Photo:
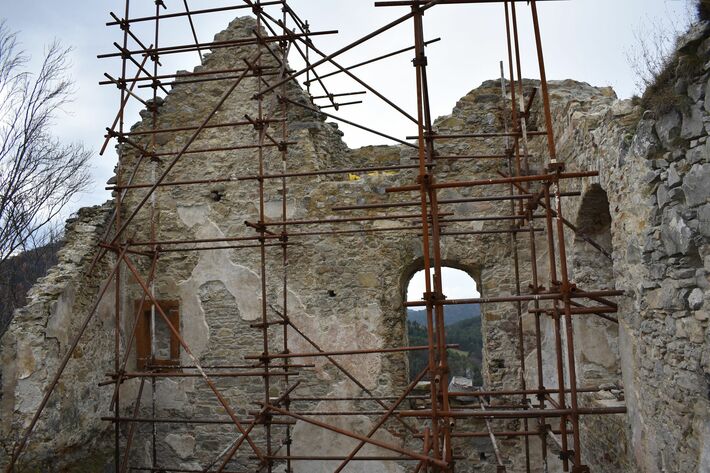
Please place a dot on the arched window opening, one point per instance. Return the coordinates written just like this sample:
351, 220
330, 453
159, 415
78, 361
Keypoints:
594, 223
462, 325
596, 337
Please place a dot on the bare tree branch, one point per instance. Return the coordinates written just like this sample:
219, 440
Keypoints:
654, 43
39, 175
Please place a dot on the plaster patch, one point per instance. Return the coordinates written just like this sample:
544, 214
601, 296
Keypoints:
28, 395
352, 330
273, 209
216, 265
319, 441
26, 362
171, 394
194, 214
58, 324
182, 444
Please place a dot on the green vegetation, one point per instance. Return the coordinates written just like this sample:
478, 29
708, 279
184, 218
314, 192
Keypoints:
464, 361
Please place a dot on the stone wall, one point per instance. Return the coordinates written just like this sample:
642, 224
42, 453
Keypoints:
658, 193
655, 172
70, 435
345, 291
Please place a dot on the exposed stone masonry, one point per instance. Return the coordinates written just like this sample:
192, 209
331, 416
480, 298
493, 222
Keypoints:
38, 338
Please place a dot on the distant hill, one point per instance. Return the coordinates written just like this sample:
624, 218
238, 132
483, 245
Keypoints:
466, 332
452, 314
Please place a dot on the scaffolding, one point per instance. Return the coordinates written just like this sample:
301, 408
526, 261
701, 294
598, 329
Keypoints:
546, 414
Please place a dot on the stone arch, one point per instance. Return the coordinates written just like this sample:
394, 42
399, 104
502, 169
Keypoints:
418, 264
596, 338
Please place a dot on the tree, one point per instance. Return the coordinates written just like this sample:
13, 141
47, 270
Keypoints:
38, 174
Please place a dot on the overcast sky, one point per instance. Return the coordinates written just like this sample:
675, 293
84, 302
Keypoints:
587, 40
457, 285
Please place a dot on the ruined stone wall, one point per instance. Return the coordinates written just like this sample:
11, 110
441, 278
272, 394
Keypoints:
70, 435
655, 172
345, 291
658, 193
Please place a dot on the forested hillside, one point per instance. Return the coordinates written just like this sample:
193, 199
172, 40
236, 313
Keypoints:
452, 314
19, 273
466, 332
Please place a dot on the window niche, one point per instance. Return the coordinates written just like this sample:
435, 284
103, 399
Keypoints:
596, 338
157, 346
463, 325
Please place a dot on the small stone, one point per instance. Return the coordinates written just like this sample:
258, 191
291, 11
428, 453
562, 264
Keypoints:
646, 143
695, 299
704, 48
696, 91
673, 178
651, 176
660, 164
693, 125
702, 279
696, 331
676, 235
680, 330
621, 108
704, 220
158, 101
698, 154
163, 138
662, 196
695, 185
676, 195
668, 128
693, 37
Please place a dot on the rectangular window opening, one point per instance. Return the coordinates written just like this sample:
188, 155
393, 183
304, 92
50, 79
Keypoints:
156, 345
